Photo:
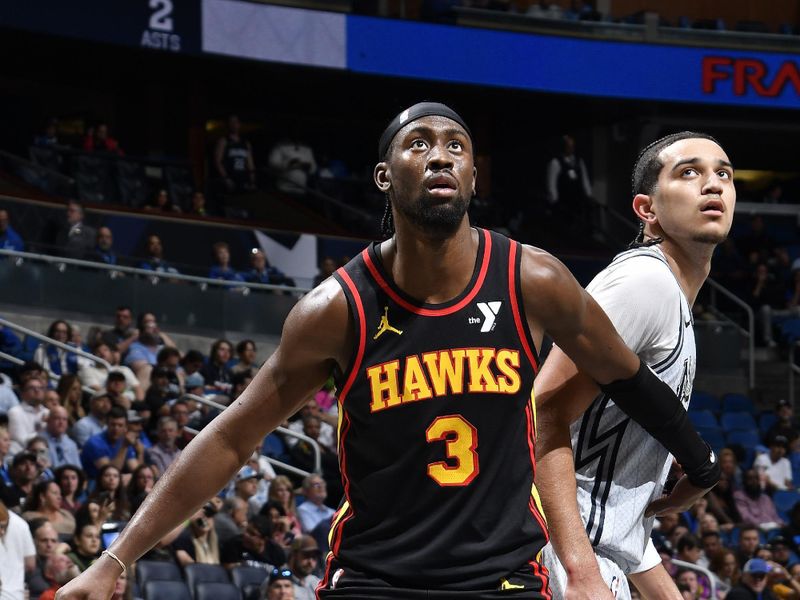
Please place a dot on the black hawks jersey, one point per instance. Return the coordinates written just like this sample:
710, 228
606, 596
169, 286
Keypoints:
437, 431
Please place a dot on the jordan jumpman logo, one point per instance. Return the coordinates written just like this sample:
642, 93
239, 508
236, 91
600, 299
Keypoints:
384, 326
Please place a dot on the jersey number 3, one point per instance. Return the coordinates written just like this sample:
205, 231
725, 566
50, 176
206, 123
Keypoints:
461, 440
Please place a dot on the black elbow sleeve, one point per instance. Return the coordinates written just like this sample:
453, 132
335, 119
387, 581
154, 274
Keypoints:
653, 405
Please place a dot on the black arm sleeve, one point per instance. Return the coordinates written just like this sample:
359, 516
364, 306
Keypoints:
653, 405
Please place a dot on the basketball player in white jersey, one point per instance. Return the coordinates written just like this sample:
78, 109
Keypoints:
684, 199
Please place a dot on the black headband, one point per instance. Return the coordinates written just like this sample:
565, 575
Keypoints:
419, 110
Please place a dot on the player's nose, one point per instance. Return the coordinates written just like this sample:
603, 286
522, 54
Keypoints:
439, 157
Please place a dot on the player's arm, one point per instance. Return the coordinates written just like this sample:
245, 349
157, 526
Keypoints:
656, 584
316, 336
555, 302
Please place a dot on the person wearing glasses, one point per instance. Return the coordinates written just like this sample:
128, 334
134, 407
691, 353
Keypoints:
63, 449
28, 418
279, 586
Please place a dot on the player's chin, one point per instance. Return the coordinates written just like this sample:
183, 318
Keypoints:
711, 235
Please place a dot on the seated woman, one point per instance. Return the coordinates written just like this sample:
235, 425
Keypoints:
111, 493
57, 361
198, 542
45, 502
72, 482
85, 545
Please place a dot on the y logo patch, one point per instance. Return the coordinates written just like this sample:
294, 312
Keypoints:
489, 310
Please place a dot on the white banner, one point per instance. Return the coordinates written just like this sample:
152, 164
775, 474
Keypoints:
274, 33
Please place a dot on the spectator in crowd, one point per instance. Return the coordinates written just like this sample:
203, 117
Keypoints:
688, 549
165, 452
9, 239
568, 183
766, 295
160, 203
180, 412
49, 137
245, 484
712, 544
70, 396
292, 163
113, 445
8, 398
303, 457
38, 446
72, 481
266, 474
231, 520
304, 558
159, 393
5, 456
109, 488
154, 258
781, 551
104, 247
198, 542
123, 334
786, 424
748, 543
281, 491
246, 363
754, 505
57, 361
198, 204
44, 502
120, 381
85, 545
216, 372
222, 269
74, 238
27, 419
279, 585
136, 429
59, 569
17, 554
327, 434
63, 450
262, 272
687, 581
326, 268
725, 569
753, 583
233, 159
98, 140
143, 353
253, 547
170, 359
95, 422
313, 511
281, 526
140, 485
773, 467
45, 540
722, 505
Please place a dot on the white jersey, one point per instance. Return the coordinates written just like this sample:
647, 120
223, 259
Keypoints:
619, 467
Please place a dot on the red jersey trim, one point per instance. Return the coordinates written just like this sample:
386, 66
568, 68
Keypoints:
531, 438
512, 293
362, 334
543, 574
433, 312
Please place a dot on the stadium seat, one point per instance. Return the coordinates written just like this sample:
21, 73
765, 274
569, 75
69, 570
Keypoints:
156, 589
242, 576
251, 592
738, 421
132, 183
784, 501
704, 401
198, 573
147, 570
714, 437
704, 419
745, 439
737, 403
209, 590
766, 421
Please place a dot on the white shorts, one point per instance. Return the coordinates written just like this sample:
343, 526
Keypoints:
613, 576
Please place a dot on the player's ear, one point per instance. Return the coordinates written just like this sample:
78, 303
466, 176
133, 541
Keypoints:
643, 207
381, 176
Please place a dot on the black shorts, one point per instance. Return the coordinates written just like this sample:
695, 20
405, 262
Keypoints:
345, 583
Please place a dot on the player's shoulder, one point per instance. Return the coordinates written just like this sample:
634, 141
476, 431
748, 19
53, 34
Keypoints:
644, 268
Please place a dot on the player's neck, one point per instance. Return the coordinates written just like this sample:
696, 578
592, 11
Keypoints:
431, 269
690, 264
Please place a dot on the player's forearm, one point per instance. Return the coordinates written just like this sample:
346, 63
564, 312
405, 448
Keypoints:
202, 469
555, 480
656, 584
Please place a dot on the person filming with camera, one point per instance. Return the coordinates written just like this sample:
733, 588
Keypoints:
198, 542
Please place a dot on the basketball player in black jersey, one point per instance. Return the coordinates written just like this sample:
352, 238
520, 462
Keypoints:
433, 337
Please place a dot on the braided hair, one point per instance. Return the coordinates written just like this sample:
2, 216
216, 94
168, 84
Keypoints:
387, 220
646, 169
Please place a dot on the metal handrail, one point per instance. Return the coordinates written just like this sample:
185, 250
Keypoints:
749, 333
56, 343
283, 430
156, 275
693, 567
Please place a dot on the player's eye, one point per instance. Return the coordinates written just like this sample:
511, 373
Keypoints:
419, 144
689, 172
724, 174
456, 145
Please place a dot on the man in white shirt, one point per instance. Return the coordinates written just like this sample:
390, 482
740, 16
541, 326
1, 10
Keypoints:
17, 554
312, 512
774, 467
28, 418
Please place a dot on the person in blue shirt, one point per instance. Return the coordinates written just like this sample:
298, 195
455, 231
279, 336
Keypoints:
9, 239
261, 272
155, 257
223, 270
104, 251
115, 445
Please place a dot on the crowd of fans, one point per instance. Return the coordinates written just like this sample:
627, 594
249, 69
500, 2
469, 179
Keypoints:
82, 444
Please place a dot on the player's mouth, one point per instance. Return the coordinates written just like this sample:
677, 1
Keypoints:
441, 185
713, 208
